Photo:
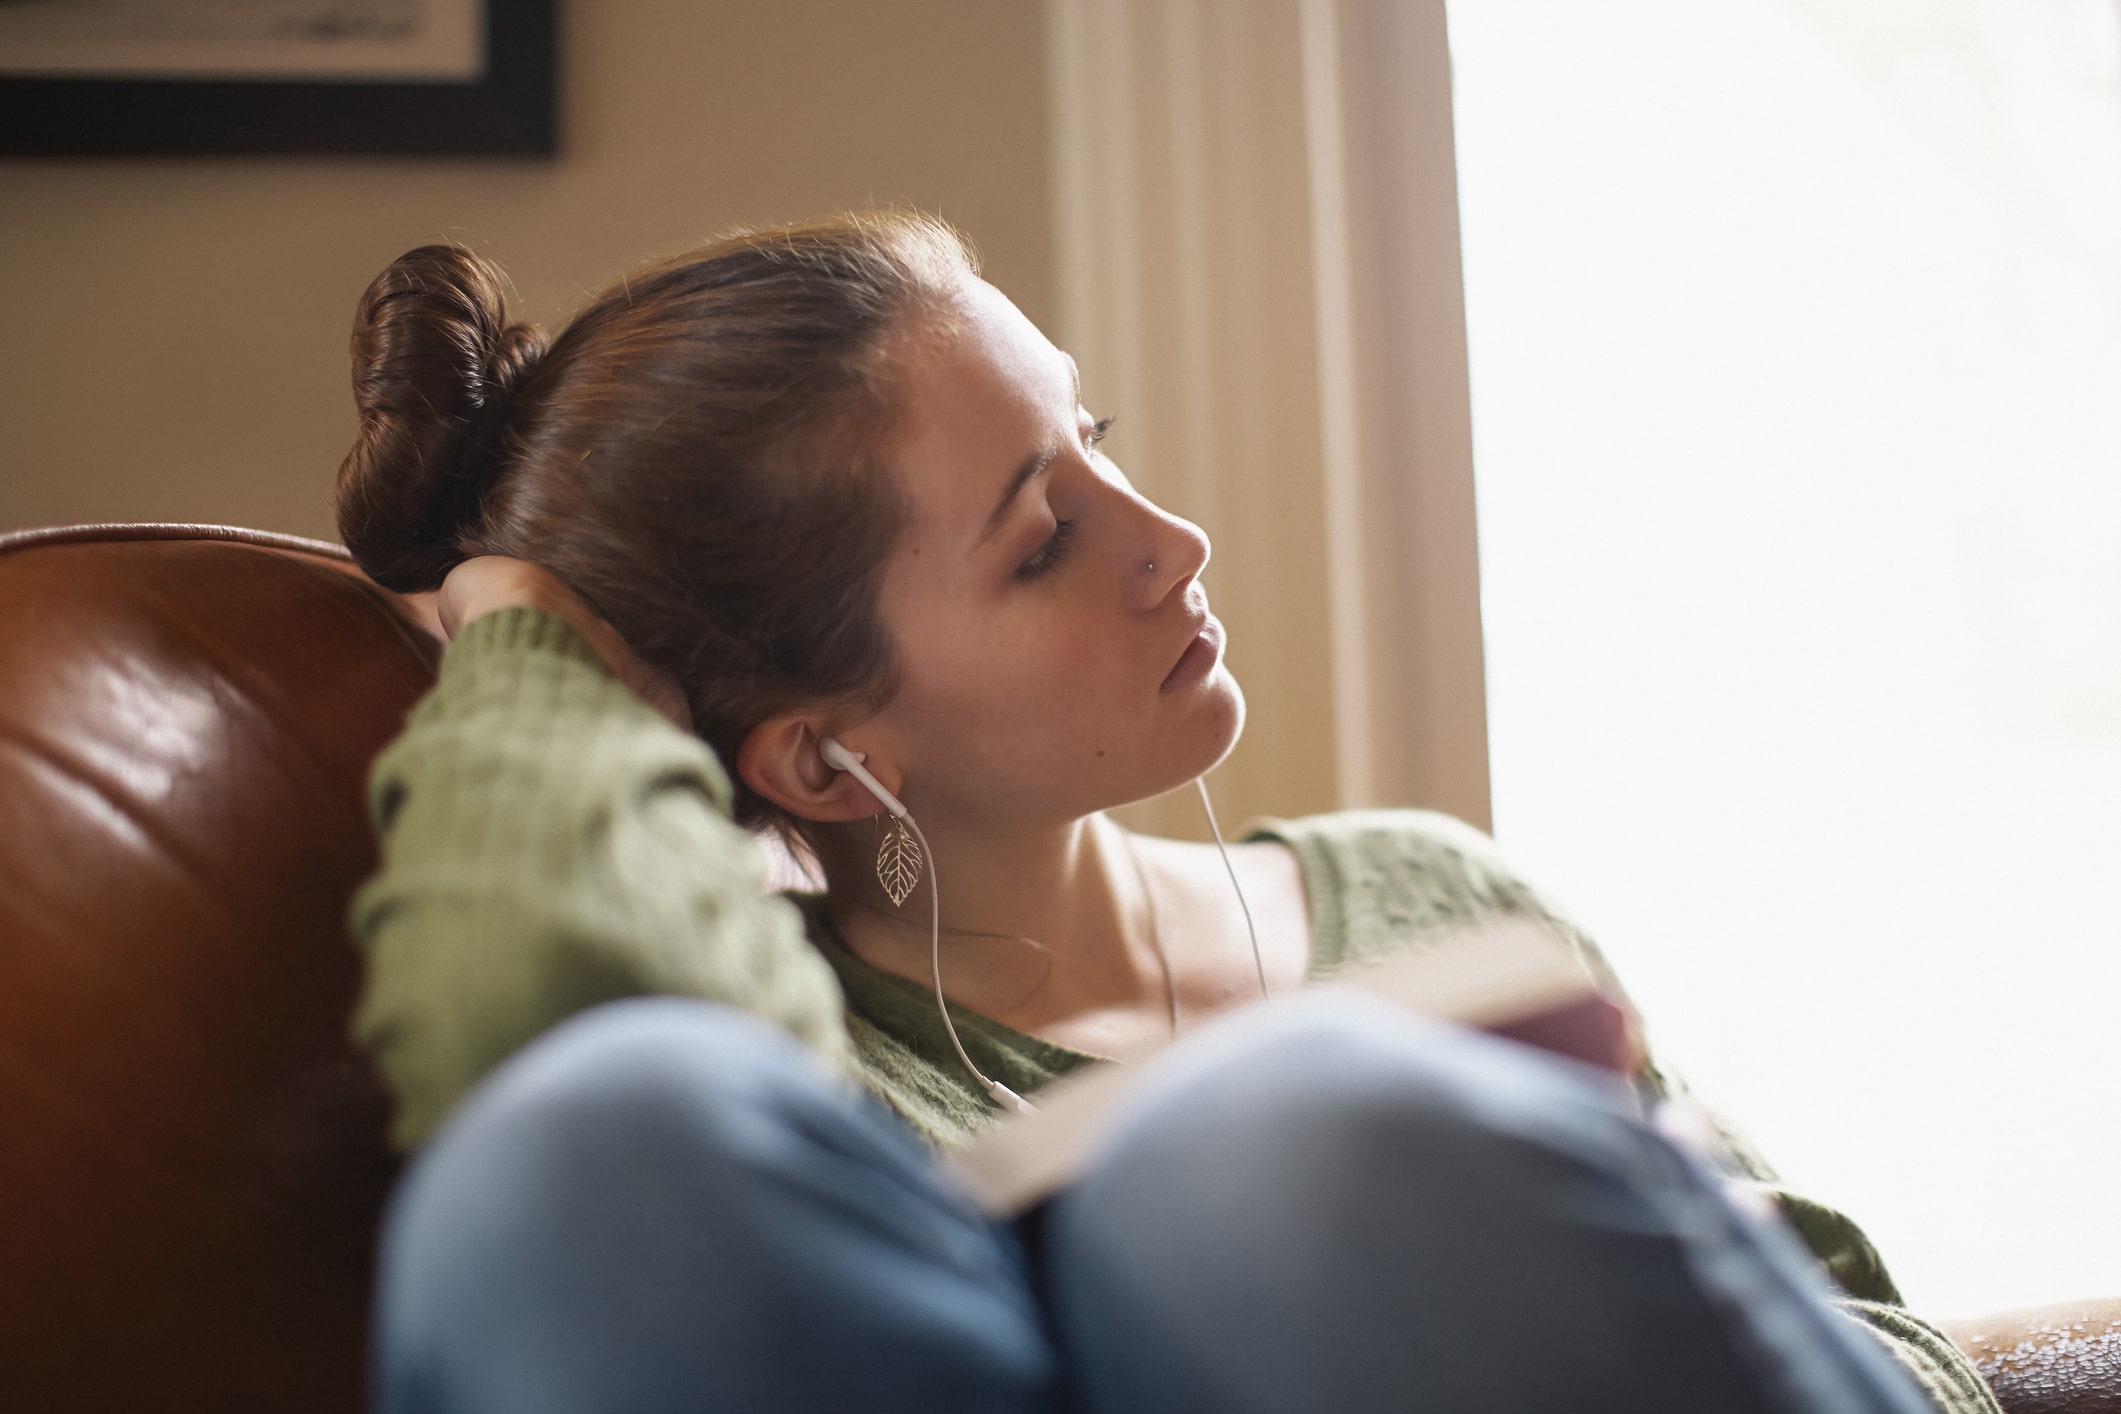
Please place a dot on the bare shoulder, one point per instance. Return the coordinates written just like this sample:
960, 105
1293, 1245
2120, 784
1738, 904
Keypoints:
1265, 865
1273, 889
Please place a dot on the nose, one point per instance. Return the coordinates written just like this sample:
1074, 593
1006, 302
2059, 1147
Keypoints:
1173, 553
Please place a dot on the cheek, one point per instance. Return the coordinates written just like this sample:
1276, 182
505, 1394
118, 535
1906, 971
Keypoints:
1046, 683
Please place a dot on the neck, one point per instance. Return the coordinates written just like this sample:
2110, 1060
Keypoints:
1039, 924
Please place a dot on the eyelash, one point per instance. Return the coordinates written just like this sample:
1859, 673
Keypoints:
1049, 554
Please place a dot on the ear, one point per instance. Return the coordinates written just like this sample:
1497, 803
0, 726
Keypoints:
780, 760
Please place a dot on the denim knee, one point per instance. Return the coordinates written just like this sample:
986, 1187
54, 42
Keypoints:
1340, 1206
665, 1203
672, 1094
1347, 1086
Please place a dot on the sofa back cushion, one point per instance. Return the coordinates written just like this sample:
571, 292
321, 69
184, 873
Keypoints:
192, 1155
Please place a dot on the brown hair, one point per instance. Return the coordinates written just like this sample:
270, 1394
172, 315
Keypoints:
696, 454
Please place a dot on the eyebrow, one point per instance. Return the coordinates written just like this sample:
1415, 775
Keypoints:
1032, 465
1037, 462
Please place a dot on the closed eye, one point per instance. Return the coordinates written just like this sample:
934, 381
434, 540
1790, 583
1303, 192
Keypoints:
1049, 554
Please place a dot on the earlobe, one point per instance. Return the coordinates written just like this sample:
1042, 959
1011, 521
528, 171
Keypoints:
780, 761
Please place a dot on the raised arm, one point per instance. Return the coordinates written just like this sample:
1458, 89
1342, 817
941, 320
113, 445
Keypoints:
549, 841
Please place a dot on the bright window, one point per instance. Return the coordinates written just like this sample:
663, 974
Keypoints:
1795, 332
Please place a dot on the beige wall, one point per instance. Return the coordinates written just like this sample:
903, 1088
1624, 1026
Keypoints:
175, 331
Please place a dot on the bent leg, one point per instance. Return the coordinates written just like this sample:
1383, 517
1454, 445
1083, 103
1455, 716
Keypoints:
1340, 1207
666, 1205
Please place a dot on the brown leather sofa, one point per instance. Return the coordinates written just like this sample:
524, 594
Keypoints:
192, 1154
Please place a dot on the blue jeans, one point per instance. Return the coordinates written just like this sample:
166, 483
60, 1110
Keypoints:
666, 1205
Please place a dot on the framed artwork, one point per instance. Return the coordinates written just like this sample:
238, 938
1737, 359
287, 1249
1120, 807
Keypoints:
439, 78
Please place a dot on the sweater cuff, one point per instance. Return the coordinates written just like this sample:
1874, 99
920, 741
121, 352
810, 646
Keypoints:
519, 661
520, 630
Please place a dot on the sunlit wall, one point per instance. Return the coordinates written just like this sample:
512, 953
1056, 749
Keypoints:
1796, 356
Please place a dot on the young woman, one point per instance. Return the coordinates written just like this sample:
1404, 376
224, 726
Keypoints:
819, 497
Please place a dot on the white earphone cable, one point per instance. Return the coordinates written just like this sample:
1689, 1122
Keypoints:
1259, 965
841, 759
1008, 1098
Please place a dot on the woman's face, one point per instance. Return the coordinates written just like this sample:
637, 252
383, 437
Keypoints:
1057, 652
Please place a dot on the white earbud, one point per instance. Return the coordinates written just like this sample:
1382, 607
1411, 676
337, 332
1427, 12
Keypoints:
839, 758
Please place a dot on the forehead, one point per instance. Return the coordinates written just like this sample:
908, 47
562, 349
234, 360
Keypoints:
978, 349
980, 388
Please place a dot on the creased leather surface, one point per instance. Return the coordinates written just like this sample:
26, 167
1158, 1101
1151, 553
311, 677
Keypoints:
192, 1155
2062, 1359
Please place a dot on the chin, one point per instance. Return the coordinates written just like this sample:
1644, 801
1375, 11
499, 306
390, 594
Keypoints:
1211, 731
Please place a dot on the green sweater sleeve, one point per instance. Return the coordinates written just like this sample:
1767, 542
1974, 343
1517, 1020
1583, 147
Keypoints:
549, 842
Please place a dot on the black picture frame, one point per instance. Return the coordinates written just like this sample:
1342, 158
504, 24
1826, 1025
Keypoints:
510, 111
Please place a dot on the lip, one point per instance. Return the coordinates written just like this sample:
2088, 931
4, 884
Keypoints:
1200, 657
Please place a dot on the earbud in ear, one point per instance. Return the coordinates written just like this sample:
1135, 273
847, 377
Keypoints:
839, 758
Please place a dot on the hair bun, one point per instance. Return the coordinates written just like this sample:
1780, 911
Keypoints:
435, 366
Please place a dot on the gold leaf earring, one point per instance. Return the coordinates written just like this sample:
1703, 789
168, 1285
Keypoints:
898, 862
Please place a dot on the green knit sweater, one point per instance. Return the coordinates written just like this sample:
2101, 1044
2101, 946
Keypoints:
549, 843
